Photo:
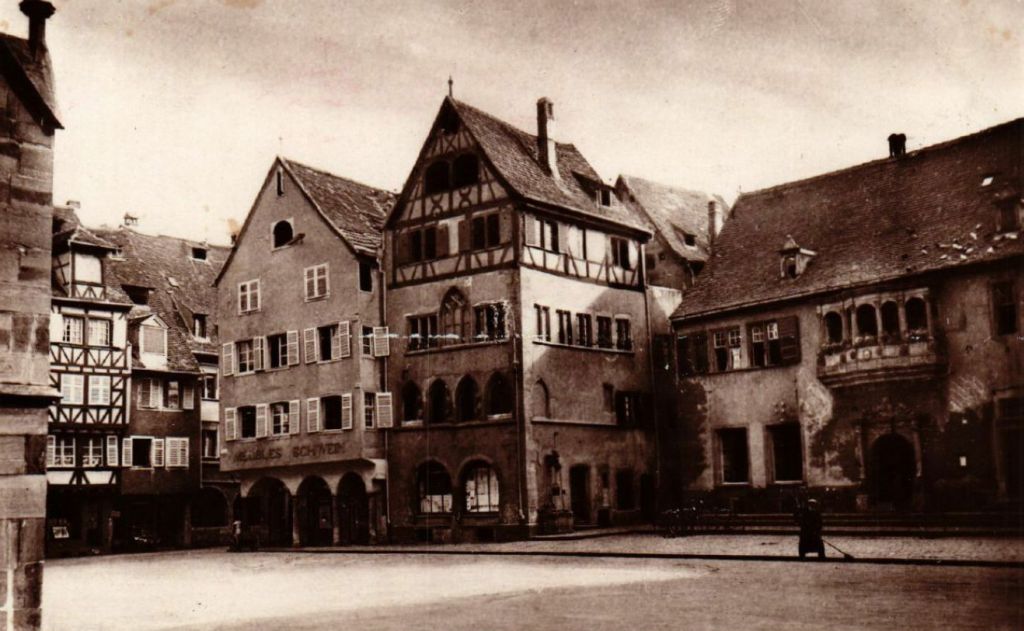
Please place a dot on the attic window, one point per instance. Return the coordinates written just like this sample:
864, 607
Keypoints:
280, 182
794, 259
987, 180
449, 122
789, 267
138, 295
605, 196
199, 325
1009, 214
199, 254
690, 239
283, 233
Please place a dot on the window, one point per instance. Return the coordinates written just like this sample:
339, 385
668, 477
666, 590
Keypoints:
604, 197
72, 389
564, 327
138, 295
465, 170
199, 326
73, 327
365, 276
499, 395
177, 453
99, 332
244, 349
142, 452
93, 455
247, 421
328, 343
489, 321
690, 239
624, 497
765, 348
584, 329
867, 322
279, 418
316, 281
481, 487
208, 387
604, 332
64, 451
726, 345
1009, 214
283, 234
454, 316
627, 408
422, 332
1004, 308
834, 327
692, 354
279, 176
549, 235
890, 320
436, 178
435, 488
541, 400
787, 455
485, 231
789, 266
543, 323
151, 393
465, 400
438, 401
99, 390
412, 403
423, 244
620, 253
331, 412
198, 254
369, 409
209, 438
917, 317
623, 335
173, 398
367, 341
153, 339
608, 397
88, 269
277, 348
735, 464
249, 296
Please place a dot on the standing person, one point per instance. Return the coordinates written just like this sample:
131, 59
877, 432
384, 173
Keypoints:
236, 535
809, 518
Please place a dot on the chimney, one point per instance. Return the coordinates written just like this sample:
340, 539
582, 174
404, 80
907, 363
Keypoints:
897, 145
714, 223
38, 11
546, 152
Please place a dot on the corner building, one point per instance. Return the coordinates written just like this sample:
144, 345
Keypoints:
303, 346
520, 367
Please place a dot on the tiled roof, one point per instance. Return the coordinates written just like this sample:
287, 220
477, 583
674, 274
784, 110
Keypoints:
37, 71
673, 212
356, 211
514, 154
929, 210
180, 287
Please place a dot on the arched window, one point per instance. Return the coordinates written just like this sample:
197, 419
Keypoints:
789, 267
283, 233
891, 319
440, 401
436, 179
454, 317
917, 315
834, 327
435, 488
465, 400
541, 400
465, 170
480, 485
867, 324
412, 402
499, 395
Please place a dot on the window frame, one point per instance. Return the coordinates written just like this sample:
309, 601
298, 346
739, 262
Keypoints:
240, 421
245, 348
279, 422
283, 359
1011, 303
99, 379
312, 277
68, 332
79, 388
248, 293
721, 452
108, 328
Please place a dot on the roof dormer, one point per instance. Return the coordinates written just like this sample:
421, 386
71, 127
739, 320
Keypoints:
793, 259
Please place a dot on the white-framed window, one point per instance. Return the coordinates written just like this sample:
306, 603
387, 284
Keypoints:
99, 332
199, 326
74, 327
211, 449
99, 389
623, 334
244, 350
481, 488
316, 281
151, 393
153, 340
249, 296
93, 456
279, 418
64, 454
369, 409
139, 453
367, 341
177, 452
208, 387
173, 398
72, 389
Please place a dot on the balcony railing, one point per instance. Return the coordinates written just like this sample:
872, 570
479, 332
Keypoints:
878, 359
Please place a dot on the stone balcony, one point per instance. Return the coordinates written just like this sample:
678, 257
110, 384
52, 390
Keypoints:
874, 361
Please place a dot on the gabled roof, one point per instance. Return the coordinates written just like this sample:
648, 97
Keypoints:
68, 231
926, 211
672, 212
514, 155
31, 76
180, 287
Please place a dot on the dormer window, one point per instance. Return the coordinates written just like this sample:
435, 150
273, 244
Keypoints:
88, 269
199, 326
794, 259
987, 180
153, 340
283, 233
138, 295
199, 254
1009, 211
605, 196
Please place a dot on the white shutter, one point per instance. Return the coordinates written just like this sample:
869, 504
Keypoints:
51, 450
230, 424
381, 341
384, 414
293, 416
227, 359
188, 396
183, 452
261, 420
293, 348
111, 451
335, 344
309, 344
258, 346
346, 411
56, 328
158, 453
126, 452
345, 338
309, 280
156, 393
312, 415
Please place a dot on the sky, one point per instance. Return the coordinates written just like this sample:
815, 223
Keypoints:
174, 109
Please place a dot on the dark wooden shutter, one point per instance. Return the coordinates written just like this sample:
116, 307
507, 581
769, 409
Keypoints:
463, 235
699, 358
442, 240
683, 359
789, 339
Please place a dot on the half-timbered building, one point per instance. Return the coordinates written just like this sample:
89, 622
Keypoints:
516, 290
303, 349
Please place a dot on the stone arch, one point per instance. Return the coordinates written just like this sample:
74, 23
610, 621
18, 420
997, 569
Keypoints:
891, 319
283, 233
267, 509
833, 327
454, 317
867, 320
314, 511
412, 402
916, 311
541, 400
467, 395
480, 486
499, 397
438, 402
353, 510
433, 488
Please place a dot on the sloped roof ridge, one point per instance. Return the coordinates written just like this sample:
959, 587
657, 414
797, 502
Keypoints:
347, 180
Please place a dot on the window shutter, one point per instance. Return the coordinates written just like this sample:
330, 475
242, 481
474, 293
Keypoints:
463, 230
563, 236
381, 341
335, 344
227, 359
442, 240
158, 454
346, 411
312, 415
789, 339
259, 344
293, 416
261, 420
183, 452
530, 230
56, 327
51, 450
505, 225
188, 396
145, 396
126, 452
293, 348
111, 451
403, 242
230, 424
309, 345
156, 393
309, 282
345, 338
385, 418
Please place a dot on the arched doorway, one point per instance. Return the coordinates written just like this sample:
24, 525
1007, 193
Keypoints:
268, 509
892, 471
314, 512
353, 511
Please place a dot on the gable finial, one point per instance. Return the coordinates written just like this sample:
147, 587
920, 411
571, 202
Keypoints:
450, 84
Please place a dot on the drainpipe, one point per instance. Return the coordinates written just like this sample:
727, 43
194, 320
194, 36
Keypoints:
654, 387
382, 305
